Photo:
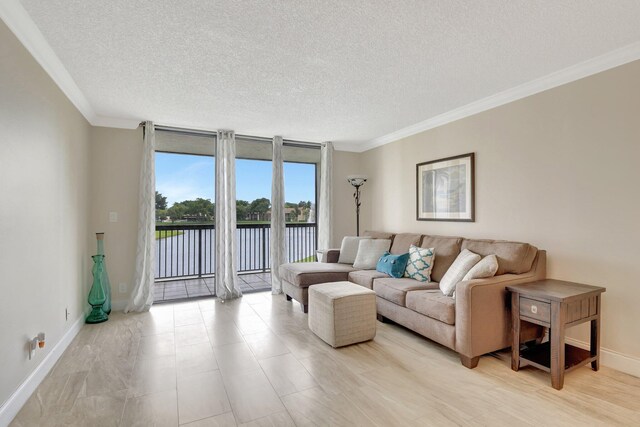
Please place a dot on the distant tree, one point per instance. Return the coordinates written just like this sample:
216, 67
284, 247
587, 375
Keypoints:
161, 201
242, 210
161, 214
260, 206
176, 212
199, 209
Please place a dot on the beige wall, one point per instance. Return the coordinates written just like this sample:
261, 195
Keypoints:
45, 245
559, 170
115, 172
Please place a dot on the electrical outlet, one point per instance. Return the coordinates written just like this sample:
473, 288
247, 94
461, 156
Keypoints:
113, 216
66, 314
122, 288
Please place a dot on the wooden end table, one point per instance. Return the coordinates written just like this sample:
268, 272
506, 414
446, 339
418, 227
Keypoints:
556, 305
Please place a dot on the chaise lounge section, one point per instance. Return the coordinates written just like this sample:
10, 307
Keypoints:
476, 321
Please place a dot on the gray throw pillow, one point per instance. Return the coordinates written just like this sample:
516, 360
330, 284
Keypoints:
487, 267
349, 249
460, 267
369, 252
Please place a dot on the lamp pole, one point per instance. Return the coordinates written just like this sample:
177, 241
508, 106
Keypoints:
357, 181
356, 196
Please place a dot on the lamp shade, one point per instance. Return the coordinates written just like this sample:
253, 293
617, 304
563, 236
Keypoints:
357, 180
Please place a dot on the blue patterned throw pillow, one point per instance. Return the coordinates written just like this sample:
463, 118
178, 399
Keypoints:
393, 265
420, 263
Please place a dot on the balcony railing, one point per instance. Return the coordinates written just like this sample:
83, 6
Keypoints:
189, 250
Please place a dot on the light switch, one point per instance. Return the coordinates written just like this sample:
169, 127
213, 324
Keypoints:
113, 216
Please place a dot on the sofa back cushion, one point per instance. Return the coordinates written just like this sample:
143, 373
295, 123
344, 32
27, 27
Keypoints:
446, 250
403, 241
513, 257
379, 234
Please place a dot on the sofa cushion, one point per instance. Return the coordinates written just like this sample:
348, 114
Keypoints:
486, 267
349, 249
379, 234
460, 267
365, 277
395, 290
433, 304
513, 257
403, 241
369, 252
304, 274
392, 265
420, 264
446, 250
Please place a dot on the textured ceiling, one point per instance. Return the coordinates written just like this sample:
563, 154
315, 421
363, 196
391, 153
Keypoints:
342, 70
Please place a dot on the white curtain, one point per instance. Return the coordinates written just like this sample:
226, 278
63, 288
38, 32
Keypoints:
142, 296
226, 275
325, 204
277, 242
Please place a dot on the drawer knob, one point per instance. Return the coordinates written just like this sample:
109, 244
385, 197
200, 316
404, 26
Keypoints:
534, 309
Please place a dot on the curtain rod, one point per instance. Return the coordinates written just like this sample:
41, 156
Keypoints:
197, 132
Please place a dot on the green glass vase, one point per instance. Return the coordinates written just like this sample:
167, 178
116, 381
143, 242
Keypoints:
106, 285
97, 296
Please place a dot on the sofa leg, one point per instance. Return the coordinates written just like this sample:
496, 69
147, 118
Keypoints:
469, 362
381, 318
305, 308
288, 298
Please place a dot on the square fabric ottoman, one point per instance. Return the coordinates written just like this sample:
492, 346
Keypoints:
342, 313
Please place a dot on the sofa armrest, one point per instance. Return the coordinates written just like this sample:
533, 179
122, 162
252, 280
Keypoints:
483, 311
328, 255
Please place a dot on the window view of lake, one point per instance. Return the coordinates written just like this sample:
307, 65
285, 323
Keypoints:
185, 215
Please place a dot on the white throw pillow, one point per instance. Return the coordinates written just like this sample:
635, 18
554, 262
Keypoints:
487, 267
420, 263
460, 267
369, 252
349, 249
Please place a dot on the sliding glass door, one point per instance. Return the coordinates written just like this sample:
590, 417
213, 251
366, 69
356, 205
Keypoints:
185, 209
185, 213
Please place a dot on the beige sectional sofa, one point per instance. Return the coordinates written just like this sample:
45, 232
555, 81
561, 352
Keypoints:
474, 322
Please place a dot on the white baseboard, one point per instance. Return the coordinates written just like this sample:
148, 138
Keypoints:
612, 359
12, 406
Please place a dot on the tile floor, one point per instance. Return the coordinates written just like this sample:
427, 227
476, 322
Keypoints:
254, 362
202, 287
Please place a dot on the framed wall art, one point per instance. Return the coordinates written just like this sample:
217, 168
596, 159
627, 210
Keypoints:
445, 189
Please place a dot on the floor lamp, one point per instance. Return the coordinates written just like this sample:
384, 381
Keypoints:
357, 181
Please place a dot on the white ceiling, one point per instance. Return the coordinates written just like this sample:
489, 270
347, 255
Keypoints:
349, 71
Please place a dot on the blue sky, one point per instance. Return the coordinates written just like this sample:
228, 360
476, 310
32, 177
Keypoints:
185, 177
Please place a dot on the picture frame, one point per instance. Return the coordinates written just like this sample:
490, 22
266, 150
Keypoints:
445, 189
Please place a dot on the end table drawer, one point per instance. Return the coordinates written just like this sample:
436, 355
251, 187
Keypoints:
537, 310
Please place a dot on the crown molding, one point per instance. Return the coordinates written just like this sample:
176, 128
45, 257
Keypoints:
21, 24
115, 122
18, 20
581, 70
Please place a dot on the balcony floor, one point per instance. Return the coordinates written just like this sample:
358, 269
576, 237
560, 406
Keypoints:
171, 290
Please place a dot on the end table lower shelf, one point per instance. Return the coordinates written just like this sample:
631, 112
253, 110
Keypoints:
540, 357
